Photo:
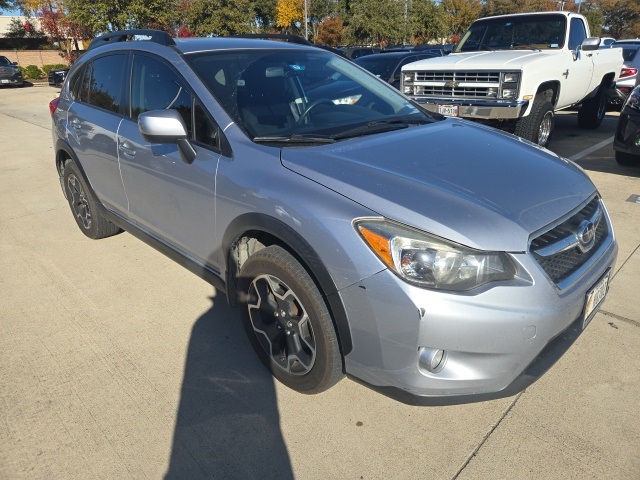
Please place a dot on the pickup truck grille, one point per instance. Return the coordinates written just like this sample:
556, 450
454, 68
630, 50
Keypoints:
457, 84
449, 76
458, 92
559, 266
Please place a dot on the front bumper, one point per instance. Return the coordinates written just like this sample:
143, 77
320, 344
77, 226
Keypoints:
11, 81
497, 342
627, 138
496, 110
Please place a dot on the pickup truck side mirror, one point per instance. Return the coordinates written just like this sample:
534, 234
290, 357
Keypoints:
588, 44
591, 43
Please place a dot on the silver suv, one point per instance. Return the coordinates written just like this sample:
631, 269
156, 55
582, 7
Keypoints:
435, 260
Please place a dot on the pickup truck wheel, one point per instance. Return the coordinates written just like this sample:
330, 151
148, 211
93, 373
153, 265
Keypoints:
84, 205
288, 322
592, 111
627, 159
538, 125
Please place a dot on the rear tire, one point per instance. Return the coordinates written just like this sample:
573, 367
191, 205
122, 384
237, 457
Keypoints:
288, 322
537, 127
627, 159
592, 111
84, 205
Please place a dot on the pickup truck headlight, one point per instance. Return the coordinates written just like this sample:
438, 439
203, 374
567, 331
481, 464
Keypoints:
407, 82
510, 77
509, 93
432, 262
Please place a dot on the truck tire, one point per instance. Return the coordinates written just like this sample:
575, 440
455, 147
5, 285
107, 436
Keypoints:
627, 159
592, 111
538, 125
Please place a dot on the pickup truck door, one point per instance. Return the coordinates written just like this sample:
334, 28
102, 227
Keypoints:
577, 69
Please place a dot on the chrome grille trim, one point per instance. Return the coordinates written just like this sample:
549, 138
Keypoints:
456, 76
561, 259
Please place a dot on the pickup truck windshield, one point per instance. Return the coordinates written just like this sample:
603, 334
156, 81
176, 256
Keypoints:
521, 32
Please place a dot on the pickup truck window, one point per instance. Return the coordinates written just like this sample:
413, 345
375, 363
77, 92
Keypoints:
522, 32
577, 33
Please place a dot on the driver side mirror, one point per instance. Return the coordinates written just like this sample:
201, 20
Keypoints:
167, 126
591, 43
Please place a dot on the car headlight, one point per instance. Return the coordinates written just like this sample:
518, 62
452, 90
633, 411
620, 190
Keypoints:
510, 77
432, 262
350, 100
633, 100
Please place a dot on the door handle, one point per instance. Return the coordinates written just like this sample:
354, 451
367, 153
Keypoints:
127, 149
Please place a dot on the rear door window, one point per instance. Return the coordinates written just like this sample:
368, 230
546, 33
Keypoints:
102, 82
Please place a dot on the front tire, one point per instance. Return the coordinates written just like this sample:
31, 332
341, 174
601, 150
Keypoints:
592, 111
288, 322
84, 205
537, 127
627, 159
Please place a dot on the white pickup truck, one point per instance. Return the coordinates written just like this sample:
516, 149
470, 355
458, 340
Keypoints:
514, 71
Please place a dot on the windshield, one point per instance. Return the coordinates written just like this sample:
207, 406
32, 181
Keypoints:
522, 32
298, 95
628, 53
380, 66
5, 61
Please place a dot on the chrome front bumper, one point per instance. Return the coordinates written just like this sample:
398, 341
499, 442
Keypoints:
498, 110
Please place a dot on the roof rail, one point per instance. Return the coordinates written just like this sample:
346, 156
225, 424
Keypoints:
156, 36
276, 36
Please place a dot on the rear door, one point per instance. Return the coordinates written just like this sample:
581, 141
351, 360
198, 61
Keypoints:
93, 119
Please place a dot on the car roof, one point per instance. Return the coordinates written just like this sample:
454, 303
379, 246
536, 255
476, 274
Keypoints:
397, 54
194, 45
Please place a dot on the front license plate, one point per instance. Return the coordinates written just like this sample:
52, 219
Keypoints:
5, 81
448, 110
595, 297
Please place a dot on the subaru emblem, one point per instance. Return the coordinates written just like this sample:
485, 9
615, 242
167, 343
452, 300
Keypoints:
586, 235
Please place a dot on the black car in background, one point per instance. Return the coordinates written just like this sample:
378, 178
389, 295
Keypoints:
387, 65
10, 73
57, 75
626, 143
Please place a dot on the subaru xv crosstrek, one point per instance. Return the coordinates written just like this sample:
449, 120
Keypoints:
435, 260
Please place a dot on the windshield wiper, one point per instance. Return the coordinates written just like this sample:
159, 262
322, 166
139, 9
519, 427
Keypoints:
380, 126
295, 138
524, 46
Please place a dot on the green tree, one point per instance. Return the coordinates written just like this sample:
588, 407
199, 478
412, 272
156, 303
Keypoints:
220, 17
377, 21
426, 21
107, 15
621, 17
460, 13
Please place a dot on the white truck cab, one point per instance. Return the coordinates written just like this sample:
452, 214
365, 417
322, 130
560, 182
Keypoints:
514, 71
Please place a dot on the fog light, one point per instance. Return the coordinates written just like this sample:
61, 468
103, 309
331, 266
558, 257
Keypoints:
431, 359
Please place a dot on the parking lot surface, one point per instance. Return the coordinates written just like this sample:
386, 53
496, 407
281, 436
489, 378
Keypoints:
116, 362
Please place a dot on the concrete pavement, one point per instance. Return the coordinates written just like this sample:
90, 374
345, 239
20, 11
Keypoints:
116, 362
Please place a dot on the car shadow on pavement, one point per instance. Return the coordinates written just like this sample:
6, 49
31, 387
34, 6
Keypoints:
227, 424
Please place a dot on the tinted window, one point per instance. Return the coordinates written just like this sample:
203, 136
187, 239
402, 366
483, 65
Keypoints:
629, 54
5, 61
155, 86
577, 33
206, 132
102, 82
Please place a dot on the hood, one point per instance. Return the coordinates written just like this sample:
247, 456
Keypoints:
485, 60
461, 181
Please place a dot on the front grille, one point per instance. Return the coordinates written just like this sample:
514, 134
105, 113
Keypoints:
458, 92
450, 76
561, 265
454, 84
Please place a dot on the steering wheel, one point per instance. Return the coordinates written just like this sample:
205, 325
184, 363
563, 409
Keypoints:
310, 107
